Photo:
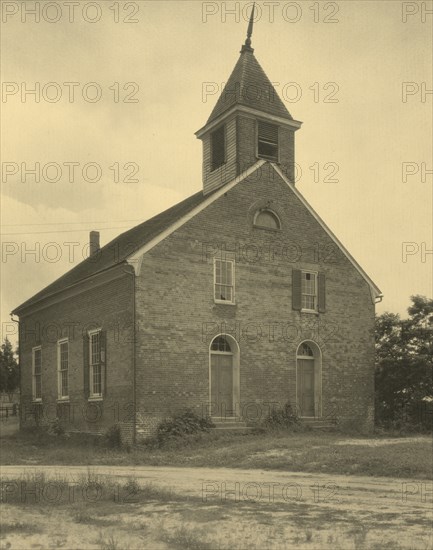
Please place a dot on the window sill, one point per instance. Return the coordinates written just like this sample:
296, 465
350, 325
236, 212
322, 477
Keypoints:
224, 302
268, 159
39, 400
310, 311
63, 400
96, 398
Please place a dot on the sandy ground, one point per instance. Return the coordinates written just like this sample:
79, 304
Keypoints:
241, 509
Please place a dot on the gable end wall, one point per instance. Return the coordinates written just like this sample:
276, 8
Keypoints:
177, 317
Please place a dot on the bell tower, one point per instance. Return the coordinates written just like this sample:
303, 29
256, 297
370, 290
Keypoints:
249, 122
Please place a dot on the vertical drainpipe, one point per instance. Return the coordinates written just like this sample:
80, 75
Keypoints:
131, 271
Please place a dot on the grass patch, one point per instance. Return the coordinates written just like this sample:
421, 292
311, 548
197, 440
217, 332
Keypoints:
7, 528
42, 490
179, 524
84, 516
110, 542
186, 538
332, 453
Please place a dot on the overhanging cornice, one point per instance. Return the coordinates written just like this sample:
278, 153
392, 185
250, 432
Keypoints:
295, 124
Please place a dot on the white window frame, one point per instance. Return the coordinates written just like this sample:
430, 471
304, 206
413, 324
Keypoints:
36, 399
228, 260
61, 397
95, 396
316, 290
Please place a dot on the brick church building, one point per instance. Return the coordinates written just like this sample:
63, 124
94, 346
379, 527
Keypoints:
236, 300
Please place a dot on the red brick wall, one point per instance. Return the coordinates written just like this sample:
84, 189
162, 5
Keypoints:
177, 316
108, 307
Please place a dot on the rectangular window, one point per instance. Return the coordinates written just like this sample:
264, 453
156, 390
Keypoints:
95, 364
218, 147
37, 373
267, 144
309, 291
63, 369
224, 280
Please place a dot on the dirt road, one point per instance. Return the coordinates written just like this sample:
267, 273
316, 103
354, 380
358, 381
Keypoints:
230, 484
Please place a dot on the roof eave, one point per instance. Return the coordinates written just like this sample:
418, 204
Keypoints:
28, 304
295, 124
135, 258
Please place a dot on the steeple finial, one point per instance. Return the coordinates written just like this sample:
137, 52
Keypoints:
247, 46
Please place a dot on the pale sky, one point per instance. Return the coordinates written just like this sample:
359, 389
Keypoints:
174, 51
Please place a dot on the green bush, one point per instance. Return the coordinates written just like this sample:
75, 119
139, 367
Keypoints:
183, 424
281, 418
402, 425
55, 428
113, 437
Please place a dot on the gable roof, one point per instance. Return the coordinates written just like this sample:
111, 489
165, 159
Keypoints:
117, 250
249, 86
132, 244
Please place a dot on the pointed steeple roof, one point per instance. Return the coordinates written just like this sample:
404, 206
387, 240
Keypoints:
249, 86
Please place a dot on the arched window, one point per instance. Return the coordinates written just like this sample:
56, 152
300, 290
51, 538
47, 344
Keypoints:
220, 343
267, 220
305, 351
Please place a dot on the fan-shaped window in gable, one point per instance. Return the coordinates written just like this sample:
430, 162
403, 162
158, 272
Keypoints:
267, 220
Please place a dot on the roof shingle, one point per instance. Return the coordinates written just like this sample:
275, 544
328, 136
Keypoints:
248, 85
117, 250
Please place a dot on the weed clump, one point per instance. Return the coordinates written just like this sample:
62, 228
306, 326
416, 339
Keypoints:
180, 426
113, 437
283, 418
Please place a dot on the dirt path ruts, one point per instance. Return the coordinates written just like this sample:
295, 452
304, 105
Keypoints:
338, 491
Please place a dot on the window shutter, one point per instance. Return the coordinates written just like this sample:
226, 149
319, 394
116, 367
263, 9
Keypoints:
322, 293
103, 344
267, 146
218, 139
296, 289
268, 132
86, 359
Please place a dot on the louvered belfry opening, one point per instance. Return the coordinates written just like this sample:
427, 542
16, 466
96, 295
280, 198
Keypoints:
267, 146
218, 147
